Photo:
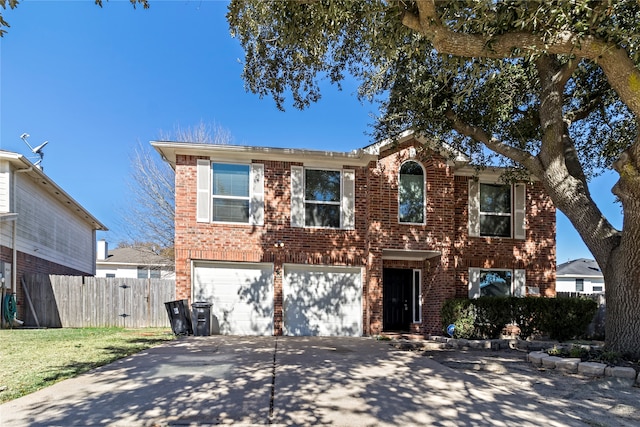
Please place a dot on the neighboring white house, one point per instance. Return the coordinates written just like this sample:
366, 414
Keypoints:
133, 262
579, 275
42, 228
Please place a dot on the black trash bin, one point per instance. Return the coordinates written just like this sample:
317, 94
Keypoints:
201, 318
179, 317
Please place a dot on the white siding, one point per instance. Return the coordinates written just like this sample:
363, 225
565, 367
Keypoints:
51, 231
568, 284
130, 272
5, 187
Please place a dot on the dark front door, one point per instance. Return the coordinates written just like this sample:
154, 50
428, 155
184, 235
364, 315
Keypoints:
397, 286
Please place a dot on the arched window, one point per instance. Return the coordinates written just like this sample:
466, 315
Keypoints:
411, 193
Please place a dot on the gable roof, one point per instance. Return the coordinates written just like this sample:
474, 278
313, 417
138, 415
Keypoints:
19, 162
456, 156
135, 256
579, 267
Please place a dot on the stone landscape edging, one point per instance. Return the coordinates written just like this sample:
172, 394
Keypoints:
536, 356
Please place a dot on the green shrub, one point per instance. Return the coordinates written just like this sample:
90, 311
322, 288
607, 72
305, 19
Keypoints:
561, 318
567, 318
492, 315
526, 313
461, 313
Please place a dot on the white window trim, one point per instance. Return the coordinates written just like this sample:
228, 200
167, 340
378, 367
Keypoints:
346, 202
518, 210
500, 214
205, 196
418, 318
248, 198
316, 202
424, 194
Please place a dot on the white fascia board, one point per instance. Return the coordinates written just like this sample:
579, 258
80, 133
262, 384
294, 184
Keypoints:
239, 153
578, 276
19, 162
103, 264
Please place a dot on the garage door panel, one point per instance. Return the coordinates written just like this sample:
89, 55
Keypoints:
322, 301
241, 294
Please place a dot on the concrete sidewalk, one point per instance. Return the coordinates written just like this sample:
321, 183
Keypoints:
300, 381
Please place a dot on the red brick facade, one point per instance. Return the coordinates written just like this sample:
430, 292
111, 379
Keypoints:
445, 234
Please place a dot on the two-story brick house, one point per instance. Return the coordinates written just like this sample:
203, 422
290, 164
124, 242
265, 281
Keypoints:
302, 242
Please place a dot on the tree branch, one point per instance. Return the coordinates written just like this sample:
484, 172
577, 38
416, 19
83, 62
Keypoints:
621, 72
515, 154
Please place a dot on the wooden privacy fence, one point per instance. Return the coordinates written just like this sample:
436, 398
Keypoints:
78, 302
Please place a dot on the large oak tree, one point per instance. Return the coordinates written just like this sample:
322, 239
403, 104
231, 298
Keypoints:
552, 88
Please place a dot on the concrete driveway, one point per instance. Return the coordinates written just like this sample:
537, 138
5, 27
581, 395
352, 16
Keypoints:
214, 380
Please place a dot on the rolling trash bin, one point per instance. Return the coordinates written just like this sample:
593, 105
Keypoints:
179, 317
201, 318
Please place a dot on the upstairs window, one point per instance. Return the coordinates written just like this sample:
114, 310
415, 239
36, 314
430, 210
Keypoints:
495, 210
411, 193
230, 193
322, 190
322, 198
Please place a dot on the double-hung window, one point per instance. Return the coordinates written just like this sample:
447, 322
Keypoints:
322, 198
322, 189
411, 204
230, 192
497, 210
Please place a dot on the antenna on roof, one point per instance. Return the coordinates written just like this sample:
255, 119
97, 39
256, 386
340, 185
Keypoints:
35, 150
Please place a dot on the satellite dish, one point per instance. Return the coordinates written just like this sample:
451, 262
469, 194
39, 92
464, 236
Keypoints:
35, 150
39, 148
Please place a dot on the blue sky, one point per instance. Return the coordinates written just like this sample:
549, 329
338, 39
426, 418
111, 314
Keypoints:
95, 82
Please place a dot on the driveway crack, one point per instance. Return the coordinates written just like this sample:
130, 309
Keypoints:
273, 382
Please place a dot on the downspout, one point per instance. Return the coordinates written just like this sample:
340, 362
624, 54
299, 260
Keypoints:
14, 234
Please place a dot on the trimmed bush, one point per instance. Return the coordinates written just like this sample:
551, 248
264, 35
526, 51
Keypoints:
492, 315
486, 317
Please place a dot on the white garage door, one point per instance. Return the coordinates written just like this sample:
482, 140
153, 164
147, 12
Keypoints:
325, 301
241, 293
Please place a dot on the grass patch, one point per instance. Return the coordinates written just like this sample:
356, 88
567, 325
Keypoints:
36, 358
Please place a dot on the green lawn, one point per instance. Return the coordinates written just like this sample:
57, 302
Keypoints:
36, 358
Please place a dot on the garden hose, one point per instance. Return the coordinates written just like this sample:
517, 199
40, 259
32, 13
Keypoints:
9, 308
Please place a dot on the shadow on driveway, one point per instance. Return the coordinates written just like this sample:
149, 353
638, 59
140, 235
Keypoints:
295, 381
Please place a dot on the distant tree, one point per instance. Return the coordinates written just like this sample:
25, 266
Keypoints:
150, 214
14, 3
550, 87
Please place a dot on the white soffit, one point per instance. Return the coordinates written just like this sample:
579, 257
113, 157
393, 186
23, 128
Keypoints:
238, 153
